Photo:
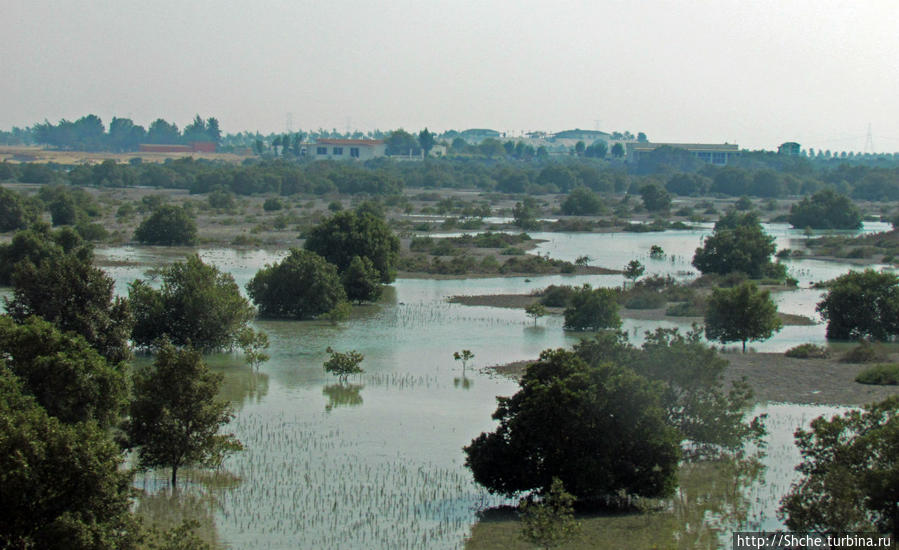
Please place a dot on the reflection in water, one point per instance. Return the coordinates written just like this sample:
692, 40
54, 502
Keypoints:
342, 395
463, 382
391, 473
242, 385
165, 510
711, 501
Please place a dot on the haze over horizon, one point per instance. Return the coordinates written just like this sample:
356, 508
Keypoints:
752, 73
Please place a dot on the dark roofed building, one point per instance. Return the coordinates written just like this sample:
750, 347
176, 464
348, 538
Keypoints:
790, 148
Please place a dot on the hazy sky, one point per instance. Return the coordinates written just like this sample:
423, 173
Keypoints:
752, 72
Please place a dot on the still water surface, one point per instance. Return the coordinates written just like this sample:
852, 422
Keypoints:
378, 462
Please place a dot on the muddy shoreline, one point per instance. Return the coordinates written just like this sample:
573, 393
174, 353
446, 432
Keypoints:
775, 378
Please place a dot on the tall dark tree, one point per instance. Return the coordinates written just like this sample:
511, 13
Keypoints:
68, 291
213, 132
161, 131
124, 135
738, 244
301, 286
401, 142
63, 487
826, 210
175, 416
598, 149
862, 304
655, 198
348, 234
167, 225
582, 202
35, 245
426, 141
16, 211
361, 280
850, 473
63, 372
592, 309
90, 133
196, 130
600, 430
197, 305
741, 314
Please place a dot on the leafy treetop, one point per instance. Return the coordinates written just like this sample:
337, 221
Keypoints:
740, 314
63, 485
738, 244
348, 234
167, 225
197, 305
599, 429
849, 473
862, 304
302, 286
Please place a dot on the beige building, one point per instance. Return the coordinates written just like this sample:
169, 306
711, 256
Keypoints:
347, 149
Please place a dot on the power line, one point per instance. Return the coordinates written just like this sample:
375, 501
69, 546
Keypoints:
869, 141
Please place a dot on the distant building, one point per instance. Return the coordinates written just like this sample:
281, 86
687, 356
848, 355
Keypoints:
711, 153
477, 135
348, 149
587, 136
790, 148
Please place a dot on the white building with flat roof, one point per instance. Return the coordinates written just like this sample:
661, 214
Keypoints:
347, 149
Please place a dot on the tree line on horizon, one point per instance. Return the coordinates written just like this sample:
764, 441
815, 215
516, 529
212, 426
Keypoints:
88, 133
756, 175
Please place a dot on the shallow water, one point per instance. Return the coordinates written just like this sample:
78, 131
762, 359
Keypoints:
378, 462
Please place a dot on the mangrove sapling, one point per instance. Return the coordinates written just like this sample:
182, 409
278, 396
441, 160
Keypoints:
536, 311
549, 522
253, 345
634, 270
465, 356
343, 364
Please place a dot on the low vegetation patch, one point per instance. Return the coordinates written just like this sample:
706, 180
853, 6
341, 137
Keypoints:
808, 351
450, 246
883, 374
865, 352
556, 295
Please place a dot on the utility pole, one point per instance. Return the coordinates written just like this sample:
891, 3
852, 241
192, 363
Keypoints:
869, 141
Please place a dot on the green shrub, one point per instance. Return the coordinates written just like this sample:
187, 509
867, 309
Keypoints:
556, 295
489, 264
645, 300
272, 204
512, 251
865, 352
592, 309
167, 225
126, 210
245, 240
442, 247
884, 374
685, 309
808, 351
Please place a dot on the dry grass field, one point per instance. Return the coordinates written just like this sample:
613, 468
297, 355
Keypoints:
40, 155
